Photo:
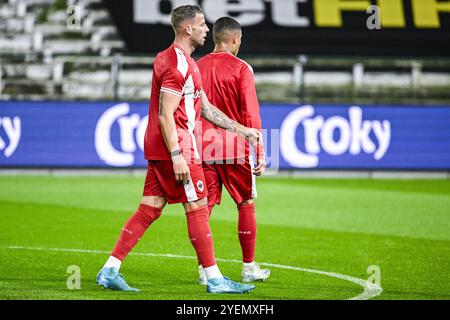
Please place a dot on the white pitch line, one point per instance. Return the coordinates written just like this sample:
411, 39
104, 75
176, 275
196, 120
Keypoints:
371, 290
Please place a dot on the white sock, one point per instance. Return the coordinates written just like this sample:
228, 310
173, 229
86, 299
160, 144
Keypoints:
248, 265
113, 262
213, 272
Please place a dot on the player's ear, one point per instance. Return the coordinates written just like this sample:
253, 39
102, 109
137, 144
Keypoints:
235, 38
188, 29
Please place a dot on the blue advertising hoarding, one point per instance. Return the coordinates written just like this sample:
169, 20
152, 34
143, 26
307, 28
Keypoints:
109, 134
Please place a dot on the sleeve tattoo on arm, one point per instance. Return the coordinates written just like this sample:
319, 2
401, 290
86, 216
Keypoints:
218, 118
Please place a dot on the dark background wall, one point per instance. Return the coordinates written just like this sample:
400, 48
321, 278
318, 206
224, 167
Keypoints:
406, 27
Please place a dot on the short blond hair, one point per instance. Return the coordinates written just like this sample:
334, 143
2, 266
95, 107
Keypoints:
183, 13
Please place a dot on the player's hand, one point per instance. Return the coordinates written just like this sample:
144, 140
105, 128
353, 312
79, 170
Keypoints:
181, 169
260, 167
253, 135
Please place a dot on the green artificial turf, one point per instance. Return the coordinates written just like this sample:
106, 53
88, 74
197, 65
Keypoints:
341, 226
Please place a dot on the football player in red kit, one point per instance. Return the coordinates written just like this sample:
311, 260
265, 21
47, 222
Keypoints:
229, 83
175, 173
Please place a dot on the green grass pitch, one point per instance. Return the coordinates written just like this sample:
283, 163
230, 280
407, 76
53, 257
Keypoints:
341, 226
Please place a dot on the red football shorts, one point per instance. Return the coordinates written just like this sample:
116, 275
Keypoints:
237, 178
160, 181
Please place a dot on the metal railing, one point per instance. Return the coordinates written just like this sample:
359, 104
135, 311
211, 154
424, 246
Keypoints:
296, 89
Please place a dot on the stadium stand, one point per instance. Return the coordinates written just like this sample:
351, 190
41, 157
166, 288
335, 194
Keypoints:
70, 50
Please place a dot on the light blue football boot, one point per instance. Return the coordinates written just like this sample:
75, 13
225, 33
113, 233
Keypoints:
225, 285
110, 278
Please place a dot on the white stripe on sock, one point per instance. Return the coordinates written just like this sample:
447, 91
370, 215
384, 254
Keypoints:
113, 262
213, 272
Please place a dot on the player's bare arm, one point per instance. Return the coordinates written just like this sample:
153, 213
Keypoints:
260, 166
218, 118
260, 158
168, 104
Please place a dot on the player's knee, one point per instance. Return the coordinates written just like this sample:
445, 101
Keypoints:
189, 206
154, 201
246, 202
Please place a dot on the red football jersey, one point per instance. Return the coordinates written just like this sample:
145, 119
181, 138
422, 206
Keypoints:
175, 72
229, 84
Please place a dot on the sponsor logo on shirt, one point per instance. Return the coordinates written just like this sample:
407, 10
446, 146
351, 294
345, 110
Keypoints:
197, 94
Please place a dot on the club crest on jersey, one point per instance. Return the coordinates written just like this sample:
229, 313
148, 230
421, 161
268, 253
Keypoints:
200, 185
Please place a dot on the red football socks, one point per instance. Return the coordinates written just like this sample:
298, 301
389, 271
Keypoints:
134, 229
247, 231
200, 235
